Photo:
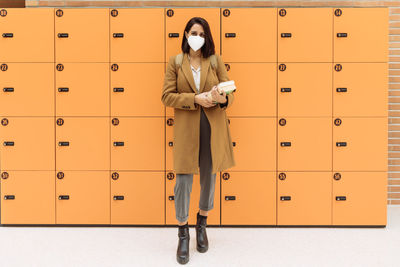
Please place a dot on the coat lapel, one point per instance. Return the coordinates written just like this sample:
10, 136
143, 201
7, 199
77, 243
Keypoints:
187, 70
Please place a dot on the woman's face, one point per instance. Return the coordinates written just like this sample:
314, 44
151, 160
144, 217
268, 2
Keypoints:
196, 29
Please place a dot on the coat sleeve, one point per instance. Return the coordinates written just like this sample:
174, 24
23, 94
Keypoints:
170, 95
223, 77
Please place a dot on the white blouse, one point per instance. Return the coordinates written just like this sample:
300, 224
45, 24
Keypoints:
196, 77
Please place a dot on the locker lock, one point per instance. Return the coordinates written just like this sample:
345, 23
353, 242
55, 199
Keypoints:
118, 89
8, 35
286, 143
230, 197
118, 143
234, 144
62, 35
61, 197
63, 143
339, 90
285, 198
286, 35
8, 89
286, 90
9, 197
341, 34
341, 143
340, 198
118, 35
118, 197
171, 197
230, 35
173, 35
63, 89
170, 143
8, 143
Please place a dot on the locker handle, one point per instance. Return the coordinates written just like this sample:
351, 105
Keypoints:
118, 197
173, 35
340, 198
284, 198
8, 89
230, 35
118, 89
230, 197
171, 197
286, 35
286, 143
118, 35
61, 197
62, 35
286, 89
171, 143
341, 143
66, 143
8, 143
9, 197
341, 34
63, 89
341, 89
233, 143
8, 35
118, 143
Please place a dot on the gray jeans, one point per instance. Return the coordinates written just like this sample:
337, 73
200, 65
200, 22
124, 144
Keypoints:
183, 185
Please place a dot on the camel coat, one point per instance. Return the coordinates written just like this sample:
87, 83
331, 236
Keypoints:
178, 92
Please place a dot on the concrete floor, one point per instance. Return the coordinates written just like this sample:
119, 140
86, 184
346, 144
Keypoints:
156, 246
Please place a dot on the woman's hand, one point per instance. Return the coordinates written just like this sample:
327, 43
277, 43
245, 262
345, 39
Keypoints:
216, 96
203, 100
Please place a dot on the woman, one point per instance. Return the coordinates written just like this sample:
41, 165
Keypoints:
201, 130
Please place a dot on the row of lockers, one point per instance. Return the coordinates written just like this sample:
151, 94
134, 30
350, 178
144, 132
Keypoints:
155, 34
291, 89
241, 198
140, 143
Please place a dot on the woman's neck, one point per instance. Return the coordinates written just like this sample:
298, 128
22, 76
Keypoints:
194, 54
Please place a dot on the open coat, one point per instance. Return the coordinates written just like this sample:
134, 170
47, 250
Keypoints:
179, 90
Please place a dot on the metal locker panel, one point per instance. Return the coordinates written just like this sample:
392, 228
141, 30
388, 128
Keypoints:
169, 143
81, 35
248, 198
137, 35
82, 197
305, 90
254, 144
359, 198
213, 217
304, 198
27, 197
361, 34
137, 197
305, 34
27, 143
176, 20
360, 89
137, 143
304, 144
82, 89
33, 95
22, 26
82, 143
256, 96
360, 144
135, 89
252, 31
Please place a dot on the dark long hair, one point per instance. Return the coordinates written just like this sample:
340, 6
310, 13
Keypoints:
208, 48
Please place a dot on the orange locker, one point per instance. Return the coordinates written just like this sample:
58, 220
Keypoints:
33, 95
82, 35
27, 197
304, 198
82, 89
213, 215
360, 89
304, 144
176, 20
254, 144
361, 34
27, 35
137, 143
248, 198
134, 92
256, 95
359, 198
169, 143
83, 197
27, 143
305, 89
130, 41
137, 198
305, 34
360, 144
249, 34
82, 143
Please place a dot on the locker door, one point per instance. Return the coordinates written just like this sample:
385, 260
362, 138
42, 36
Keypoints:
81, 35
82, 143
82, 89
305, 34
137, 34
137, 143
255, 96
213, 217
137, 198
169, 143
304, 198
304, 144
175, 23
135, 89
360, 89
305, 90
22, 26
252, 31
248, 198
27, 197
33, 95
360, 34
169, 111
360, 144
359, 198
27, 143
83, 197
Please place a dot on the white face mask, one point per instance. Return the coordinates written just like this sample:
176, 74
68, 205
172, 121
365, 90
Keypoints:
195, 42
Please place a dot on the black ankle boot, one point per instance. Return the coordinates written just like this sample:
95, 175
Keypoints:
182, 253
201, 234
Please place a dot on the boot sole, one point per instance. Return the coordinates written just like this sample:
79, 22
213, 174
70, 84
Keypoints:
182, 261
202, 250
